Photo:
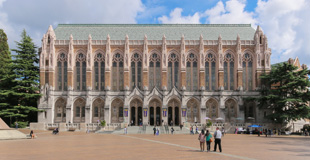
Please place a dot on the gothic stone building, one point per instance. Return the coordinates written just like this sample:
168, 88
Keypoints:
151, 74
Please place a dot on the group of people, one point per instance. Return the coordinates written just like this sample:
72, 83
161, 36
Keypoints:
156, 131
207, 138
191, 130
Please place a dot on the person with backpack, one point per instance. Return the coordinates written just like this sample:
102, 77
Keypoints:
201, 139
154, 129
208, 140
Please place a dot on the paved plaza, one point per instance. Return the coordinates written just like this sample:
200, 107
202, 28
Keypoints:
79, 145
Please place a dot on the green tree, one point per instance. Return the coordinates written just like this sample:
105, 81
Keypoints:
285, 91
6, 76
22, 96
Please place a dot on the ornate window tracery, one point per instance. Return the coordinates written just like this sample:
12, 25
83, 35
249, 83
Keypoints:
60, 110
118, 72
192, 72
117, 111
81, 72
193, 109
229, 68
173, 71
62, 67
247, 80
210, 72
136, 71
154, 71
98, 110
79, 111
230, 110
99, 66
212, 109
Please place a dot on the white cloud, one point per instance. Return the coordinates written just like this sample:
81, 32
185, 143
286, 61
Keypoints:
287, 27
176, 17
36, 15
231, 13
1, 2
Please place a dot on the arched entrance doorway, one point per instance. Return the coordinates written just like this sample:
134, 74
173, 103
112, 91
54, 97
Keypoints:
230, 110
249, 112
79, 111
117, 112
98, 110
136, 117
60, 110
155, 113
174, 112
193, 114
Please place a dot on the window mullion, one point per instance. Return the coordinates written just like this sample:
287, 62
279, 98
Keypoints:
228, 75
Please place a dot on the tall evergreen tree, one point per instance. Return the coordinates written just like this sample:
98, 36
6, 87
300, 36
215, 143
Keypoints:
285, 92
6, 76
23, 95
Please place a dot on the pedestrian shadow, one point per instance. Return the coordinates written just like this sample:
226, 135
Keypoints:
189, 150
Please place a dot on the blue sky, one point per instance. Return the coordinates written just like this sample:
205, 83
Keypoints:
285, 22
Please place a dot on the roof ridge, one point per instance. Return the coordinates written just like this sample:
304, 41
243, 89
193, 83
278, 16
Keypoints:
155, 25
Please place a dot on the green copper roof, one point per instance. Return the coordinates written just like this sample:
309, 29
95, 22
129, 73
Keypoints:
154, 31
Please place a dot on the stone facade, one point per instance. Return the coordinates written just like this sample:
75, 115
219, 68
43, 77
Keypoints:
151, 81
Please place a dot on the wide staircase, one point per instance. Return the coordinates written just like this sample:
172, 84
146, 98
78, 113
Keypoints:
148, 130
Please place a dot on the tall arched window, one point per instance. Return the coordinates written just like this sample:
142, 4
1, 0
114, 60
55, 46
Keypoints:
247, 82
192, 72
99, 72
173, 71
229, 72
118, 72
154, 71
210, 66
81, 72
136, 71
62, 66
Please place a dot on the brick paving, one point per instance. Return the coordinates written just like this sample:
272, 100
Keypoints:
79, 145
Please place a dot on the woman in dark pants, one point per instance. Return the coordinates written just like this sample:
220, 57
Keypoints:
208, 140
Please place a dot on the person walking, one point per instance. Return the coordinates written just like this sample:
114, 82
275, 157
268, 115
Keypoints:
172, 130
125, 130
196, 130
208, 140
217, 137
16, 125
201, 139
154, 129
223, 131
157, 132
32, 134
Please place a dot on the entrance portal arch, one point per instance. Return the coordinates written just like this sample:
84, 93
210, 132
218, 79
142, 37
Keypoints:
98, 110
155, 109
117, 111
174, 112
136, 117
60, 110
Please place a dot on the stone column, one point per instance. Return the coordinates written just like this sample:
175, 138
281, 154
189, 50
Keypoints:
221, 79
239, 79
202, 78
136, 112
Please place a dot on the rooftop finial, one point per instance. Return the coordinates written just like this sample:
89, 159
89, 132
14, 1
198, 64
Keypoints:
71, 37
201, 36
126, 36
108, 37
89, 37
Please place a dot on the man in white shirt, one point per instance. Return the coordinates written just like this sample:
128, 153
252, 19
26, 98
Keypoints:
217, 137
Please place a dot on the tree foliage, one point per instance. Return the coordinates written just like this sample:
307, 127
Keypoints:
22, 91
285, 91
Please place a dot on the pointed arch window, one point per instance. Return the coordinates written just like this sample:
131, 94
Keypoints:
62, 67
99, 66
118, 72
247, 80
173, 71
229, 68
210, 76
192, 72
154, 71
136, 71
81, 72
